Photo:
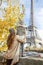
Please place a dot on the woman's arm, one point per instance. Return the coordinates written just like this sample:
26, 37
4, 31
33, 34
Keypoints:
9, 53
21, 39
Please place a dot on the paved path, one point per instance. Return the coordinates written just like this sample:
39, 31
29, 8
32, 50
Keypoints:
29, 61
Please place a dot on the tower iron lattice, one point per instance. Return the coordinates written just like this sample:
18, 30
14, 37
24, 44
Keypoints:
34, 37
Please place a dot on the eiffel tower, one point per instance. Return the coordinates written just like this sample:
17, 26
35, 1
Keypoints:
34, 37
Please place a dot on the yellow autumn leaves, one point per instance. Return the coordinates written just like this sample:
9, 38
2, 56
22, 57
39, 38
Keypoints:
11, 17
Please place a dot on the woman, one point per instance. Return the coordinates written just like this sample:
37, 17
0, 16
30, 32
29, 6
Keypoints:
13, 43
12, 48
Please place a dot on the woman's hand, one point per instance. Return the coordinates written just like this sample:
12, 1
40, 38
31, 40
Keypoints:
6, 55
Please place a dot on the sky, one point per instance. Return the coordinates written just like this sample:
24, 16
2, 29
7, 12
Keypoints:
38, 13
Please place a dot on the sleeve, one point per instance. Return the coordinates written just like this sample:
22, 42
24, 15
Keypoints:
10, 53
21, 39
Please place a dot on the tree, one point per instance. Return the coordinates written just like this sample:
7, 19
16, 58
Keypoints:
11, 17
